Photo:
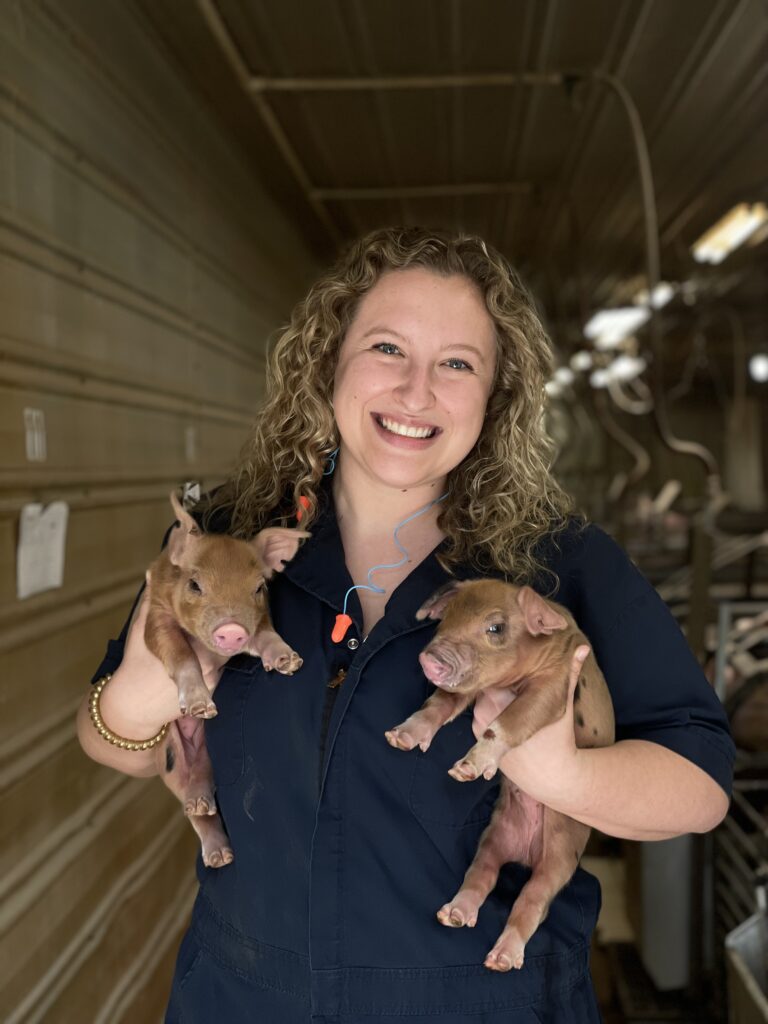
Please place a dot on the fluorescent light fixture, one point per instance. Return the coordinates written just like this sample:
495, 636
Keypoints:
662, 294
609, 327
599, 378
758, 367
564, 375
729, 232
581, 361
626, 368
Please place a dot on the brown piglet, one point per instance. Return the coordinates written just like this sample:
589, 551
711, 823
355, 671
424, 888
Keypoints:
495, 634
210, 587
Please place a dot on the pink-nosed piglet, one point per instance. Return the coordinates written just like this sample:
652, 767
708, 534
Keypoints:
211, 587
495, 634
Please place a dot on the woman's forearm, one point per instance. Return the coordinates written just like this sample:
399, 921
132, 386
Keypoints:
634, 789
135, 704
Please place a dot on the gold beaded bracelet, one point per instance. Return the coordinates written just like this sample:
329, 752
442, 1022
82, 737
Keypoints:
107, 734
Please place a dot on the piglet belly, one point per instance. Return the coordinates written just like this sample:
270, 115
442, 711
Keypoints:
518, 823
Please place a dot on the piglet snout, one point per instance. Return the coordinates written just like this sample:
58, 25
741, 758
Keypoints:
436, 671
230, 637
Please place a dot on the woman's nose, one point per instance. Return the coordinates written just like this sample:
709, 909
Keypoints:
415, 390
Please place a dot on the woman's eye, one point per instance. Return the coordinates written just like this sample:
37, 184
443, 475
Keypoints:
458, 364
194, 586
387, 348
496, 628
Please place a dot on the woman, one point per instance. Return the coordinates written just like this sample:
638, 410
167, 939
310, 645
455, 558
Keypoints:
421, 359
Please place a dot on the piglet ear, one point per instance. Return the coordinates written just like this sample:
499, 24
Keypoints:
435, 607
277, 545
539, 616
179, 542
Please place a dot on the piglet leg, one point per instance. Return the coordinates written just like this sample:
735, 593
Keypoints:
499, 843
274, 651
419, 730
541, 702
167, 641
217, 852
563, 842
186, 770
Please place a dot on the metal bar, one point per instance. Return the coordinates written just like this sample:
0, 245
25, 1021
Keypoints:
389, 83
733, 874
480, 188
726, 899
757, 819
741, 838
222, 35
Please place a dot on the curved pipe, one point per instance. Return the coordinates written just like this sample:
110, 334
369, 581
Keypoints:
672, 442
624, 440
635, 406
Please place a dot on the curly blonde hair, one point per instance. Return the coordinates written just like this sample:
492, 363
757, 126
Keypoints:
501, 499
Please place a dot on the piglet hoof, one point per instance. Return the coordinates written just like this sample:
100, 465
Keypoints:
464, 771
199, 709
402, 740
219, 857
410, 734
508, 952
286, 664
453, 916
200, 805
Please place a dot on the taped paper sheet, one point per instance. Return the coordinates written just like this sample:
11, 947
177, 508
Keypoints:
40, 555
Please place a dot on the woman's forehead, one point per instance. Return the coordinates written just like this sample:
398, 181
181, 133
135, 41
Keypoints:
403, 300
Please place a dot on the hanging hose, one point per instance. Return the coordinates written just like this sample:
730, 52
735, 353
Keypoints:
641, 457
675, 444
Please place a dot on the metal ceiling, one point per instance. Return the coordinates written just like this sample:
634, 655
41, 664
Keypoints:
491, 115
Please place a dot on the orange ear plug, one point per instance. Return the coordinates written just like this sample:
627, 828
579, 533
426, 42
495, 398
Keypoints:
343, 622
303, 506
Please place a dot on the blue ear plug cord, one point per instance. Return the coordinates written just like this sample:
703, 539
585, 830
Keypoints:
391, 565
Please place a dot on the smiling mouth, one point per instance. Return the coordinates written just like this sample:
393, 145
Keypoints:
402, 430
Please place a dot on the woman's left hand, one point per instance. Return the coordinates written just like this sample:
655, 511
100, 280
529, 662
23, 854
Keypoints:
547, 765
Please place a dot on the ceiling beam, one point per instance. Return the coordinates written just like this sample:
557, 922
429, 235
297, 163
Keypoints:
260, 84
480, 188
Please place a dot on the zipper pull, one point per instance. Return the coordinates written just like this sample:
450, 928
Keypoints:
338, 679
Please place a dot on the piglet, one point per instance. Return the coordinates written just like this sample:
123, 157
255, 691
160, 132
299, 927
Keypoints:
211, 587
494, 634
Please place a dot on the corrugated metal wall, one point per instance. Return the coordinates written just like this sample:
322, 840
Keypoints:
141, 271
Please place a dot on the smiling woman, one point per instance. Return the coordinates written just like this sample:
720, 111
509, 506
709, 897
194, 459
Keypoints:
419, 362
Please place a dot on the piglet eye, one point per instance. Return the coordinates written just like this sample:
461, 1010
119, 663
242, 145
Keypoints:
194, 586
496, 628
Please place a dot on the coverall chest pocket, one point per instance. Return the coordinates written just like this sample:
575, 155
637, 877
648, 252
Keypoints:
224, 734
438, 799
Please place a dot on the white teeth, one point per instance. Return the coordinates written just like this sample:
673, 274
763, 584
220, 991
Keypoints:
398, 428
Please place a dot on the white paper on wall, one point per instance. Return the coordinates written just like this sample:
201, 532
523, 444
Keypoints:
40, 554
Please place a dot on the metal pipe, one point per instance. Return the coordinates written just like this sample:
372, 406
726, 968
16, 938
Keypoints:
390, 83
422, 191
222, 35
672, 442
634, 406
626, 441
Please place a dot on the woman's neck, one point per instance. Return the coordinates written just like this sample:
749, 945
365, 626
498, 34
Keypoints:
366, 509
368, 515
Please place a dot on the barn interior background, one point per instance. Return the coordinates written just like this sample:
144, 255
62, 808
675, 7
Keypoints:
172, 175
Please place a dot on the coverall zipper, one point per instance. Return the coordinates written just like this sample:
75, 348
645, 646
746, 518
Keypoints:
331, 693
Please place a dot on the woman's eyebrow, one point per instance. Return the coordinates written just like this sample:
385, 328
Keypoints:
384, 330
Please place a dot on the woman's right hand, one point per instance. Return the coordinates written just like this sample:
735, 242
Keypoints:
139, 660
138, 700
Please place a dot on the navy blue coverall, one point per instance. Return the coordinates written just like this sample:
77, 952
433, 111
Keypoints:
345, 848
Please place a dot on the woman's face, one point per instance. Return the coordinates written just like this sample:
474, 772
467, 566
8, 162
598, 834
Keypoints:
413, 378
